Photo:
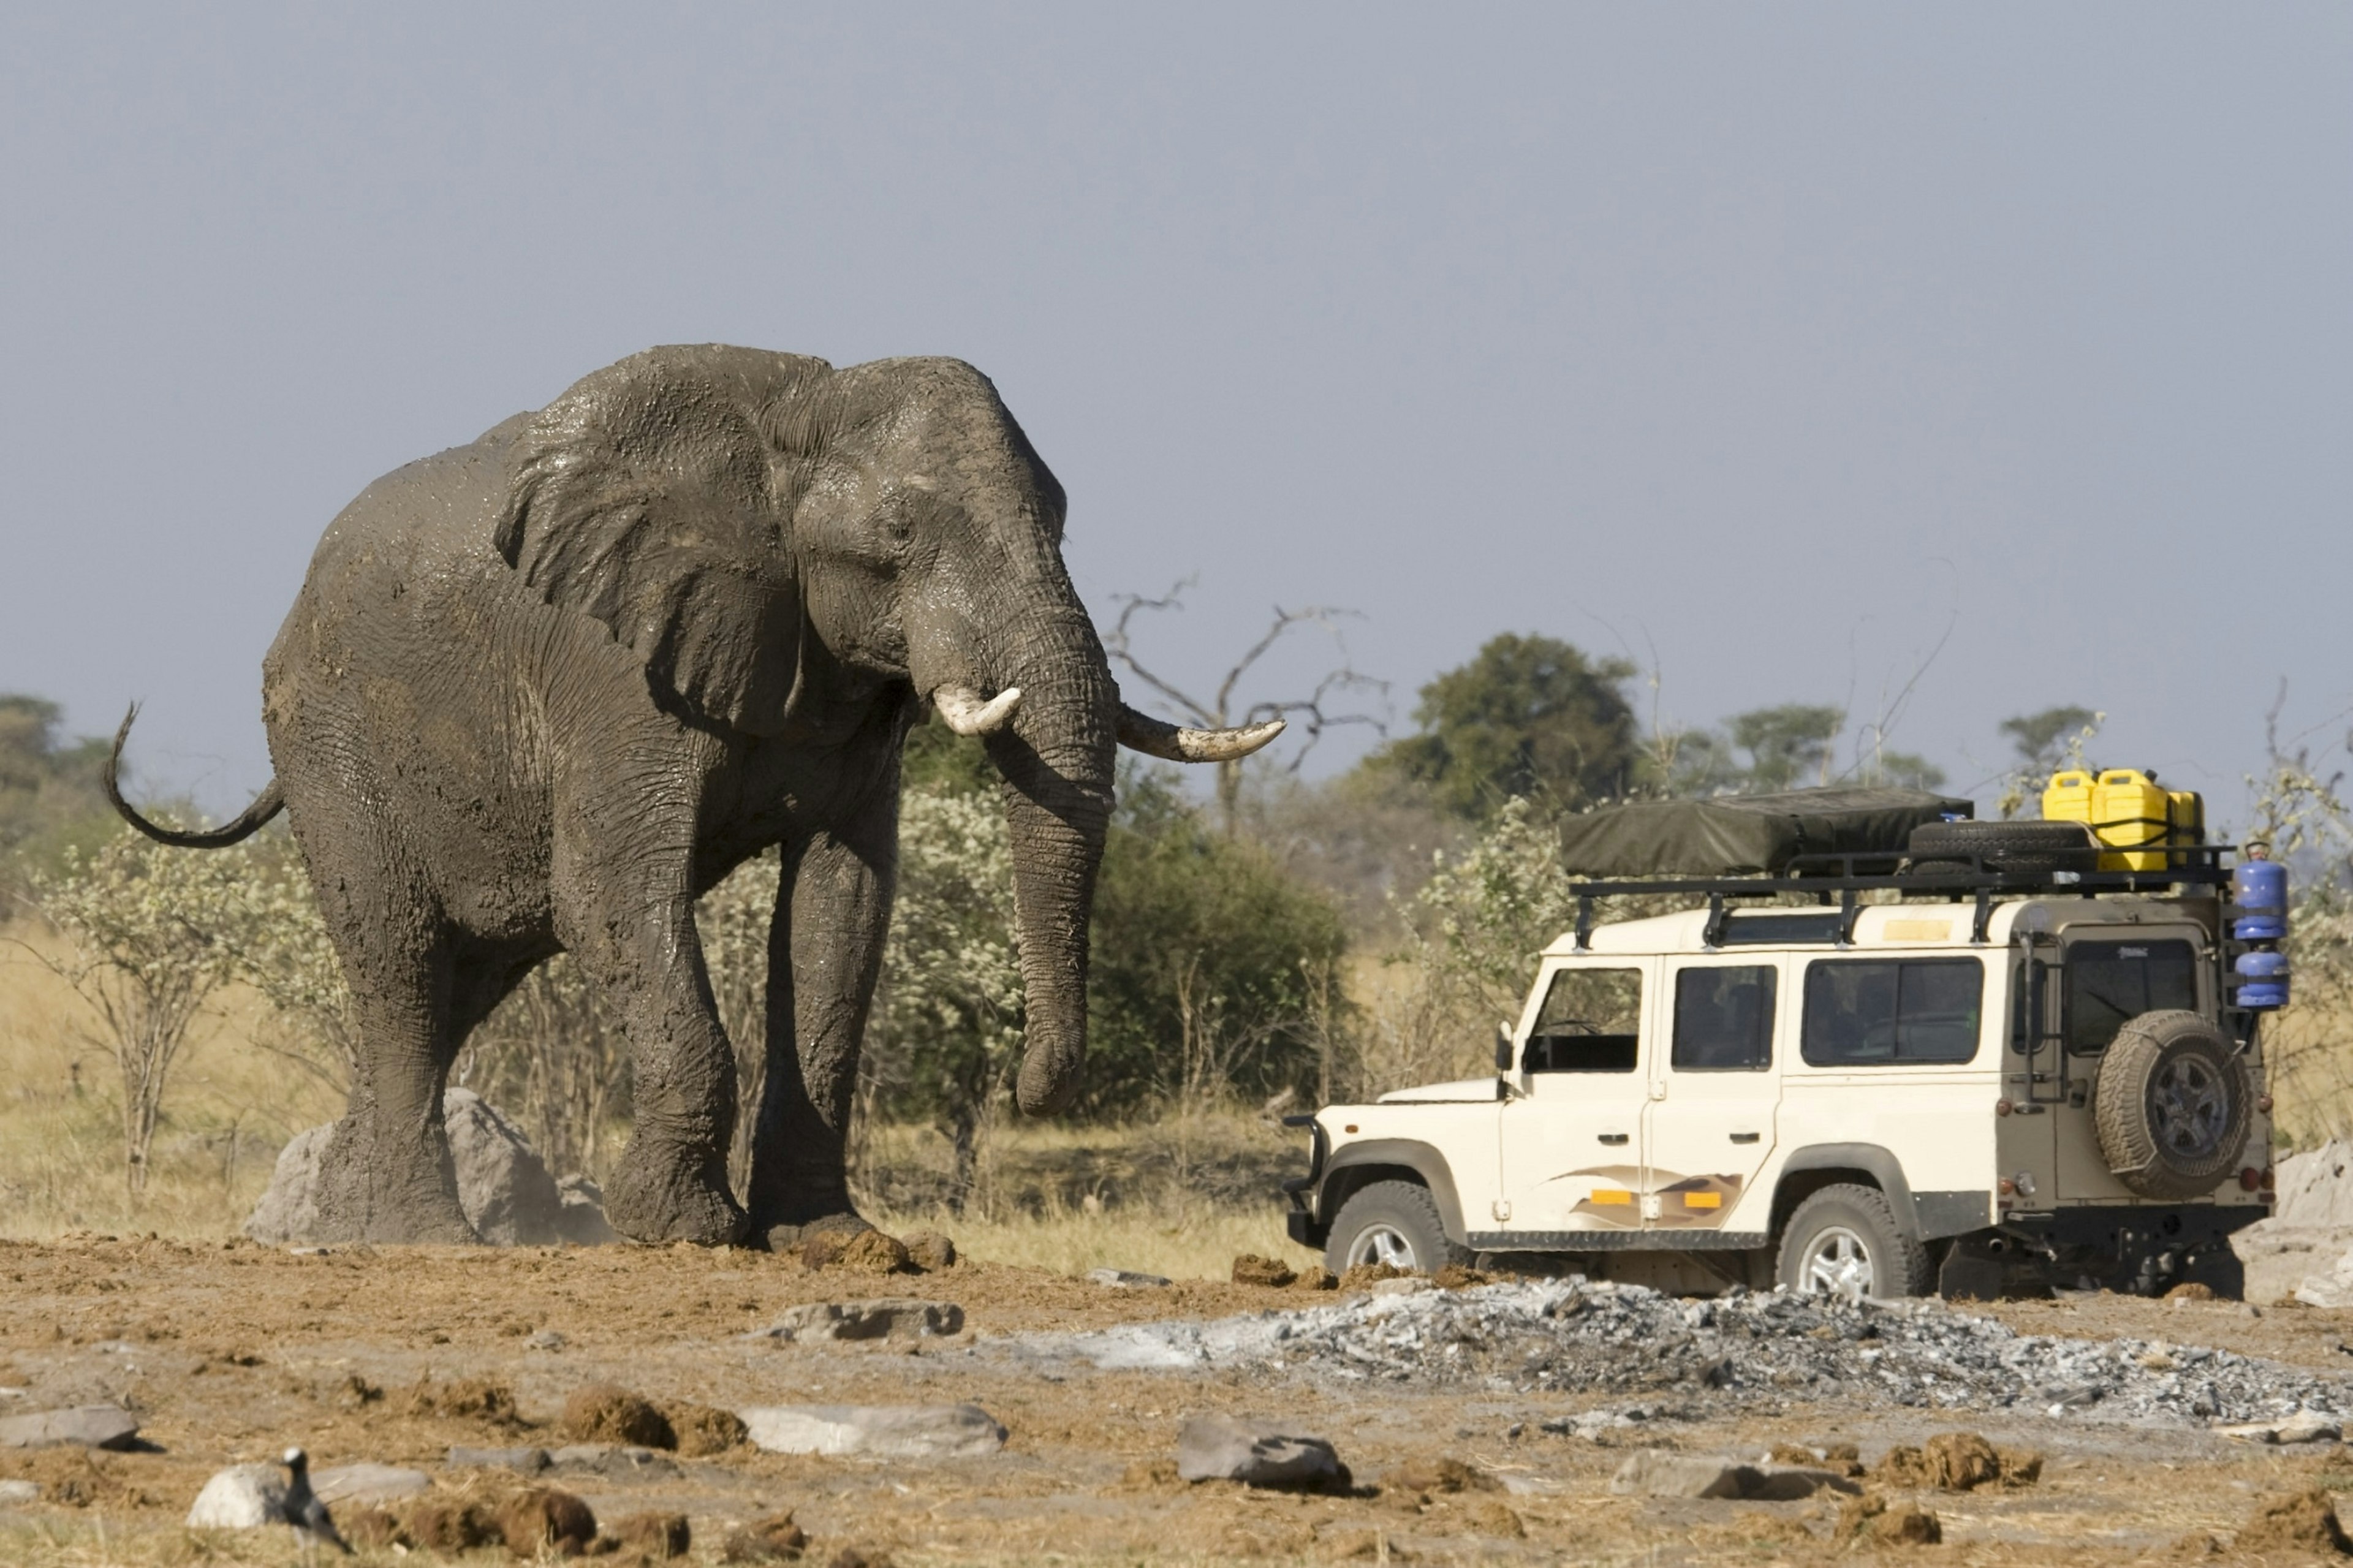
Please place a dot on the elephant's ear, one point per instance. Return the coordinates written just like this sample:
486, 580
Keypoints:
643, 499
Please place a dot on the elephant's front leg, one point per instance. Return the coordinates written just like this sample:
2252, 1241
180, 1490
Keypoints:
825, 951
638, 946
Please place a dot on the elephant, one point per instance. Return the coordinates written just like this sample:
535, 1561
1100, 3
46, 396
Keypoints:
539, 693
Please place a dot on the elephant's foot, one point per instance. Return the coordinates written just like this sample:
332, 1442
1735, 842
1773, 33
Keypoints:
378, 1190
790, 1211
665, 1192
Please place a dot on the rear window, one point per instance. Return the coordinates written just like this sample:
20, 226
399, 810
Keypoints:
1589, 1022
1889, 1012
2109, 983
1724, 1017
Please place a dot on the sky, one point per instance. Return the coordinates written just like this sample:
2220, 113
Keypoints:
1943, 362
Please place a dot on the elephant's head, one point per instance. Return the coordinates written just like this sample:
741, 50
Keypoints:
737, 517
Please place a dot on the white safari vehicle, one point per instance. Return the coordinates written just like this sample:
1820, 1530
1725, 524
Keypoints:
1985, 1058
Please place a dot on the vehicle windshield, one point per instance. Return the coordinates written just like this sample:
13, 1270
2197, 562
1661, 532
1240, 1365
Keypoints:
2111, 982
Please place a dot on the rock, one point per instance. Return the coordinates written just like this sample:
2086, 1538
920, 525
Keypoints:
659, 1536
1261, 1452
2314, 1190
543, 1522
1655, 1473
2307, 1427
2250, 1431
529, 1461
602, 1413
1250, 1268
580, 1219
773, 1539
887, 1318
612, 1459
865, 1251
84, 1426
930, 1251
369, 1483
15, 1492
243, 1497
502, 1184
1122, 1279
2302, 1525
902, 1431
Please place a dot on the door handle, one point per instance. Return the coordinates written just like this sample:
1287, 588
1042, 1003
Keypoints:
1746, 1136
1612, 1137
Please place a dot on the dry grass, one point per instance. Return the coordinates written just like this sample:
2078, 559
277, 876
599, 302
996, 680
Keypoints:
229, 1107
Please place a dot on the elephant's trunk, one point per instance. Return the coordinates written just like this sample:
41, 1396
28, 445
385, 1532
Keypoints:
1057, 760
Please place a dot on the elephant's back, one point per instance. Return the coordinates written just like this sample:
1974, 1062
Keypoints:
421, 512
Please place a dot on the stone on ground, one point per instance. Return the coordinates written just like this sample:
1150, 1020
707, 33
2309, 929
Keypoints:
2301, 1525
243, 1497
900, 1431
929, 1250
1125, 1279
1656, 1473
1260, 1453
369, 1483
529, 1461
15, 1492
84, 1426
502, 1184
886, 1318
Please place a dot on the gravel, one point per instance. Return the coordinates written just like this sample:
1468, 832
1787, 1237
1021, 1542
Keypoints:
1744, 1349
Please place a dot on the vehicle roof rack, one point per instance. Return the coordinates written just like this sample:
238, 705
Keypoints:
1835, 880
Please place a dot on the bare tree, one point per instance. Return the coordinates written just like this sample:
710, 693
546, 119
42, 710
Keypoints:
1310, 713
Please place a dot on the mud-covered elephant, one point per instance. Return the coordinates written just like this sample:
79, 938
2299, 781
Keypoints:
541, 691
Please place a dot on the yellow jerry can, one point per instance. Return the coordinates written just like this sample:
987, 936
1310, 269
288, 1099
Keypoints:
2127, 807
2068, 798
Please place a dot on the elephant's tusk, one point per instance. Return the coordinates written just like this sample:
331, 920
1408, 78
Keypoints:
968, 715
1172, 743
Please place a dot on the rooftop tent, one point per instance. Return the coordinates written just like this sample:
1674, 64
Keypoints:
1736, 835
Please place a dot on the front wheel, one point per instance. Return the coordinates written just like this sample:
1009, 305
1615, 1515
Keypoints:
1394, 1223
1843, 1241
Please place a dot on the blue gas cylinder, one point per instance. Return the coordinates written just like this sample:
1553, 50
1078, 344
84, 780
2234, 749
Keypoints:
2260, 888
2264, 973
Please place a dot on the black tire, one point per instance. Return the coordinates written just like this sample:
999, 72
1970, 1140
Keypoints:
1843, 1240
2171, 1103
1946, 846
1394, 1223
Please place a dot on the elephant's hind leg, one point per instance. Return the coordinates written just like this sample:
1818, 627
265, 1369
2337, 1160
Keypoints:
386, 1174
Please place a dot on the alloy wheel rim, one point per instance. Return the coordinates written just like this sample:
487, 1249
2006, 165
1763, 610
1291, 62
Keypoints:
1837, 1262
2188, 1105
1382, 1243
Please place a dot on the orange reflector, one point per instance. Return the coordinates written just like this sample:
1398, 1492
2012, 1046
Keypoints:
1703, 1200
1613, 1195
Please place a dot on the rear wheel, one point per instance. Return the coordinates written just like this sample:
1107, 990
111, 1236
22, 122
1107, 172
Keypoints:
1394, 1223
1843, 1241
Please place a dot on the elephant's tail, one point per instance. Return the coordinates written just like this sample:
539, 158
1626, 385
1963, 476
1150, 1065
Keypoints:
267, 805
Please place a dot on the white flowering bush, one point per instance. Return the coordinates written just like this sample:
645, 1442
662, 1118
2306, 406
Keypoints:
149, 935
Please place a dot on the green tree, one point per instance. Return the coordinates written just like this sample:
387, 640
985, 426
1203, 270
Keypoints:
49, 796
1529, 718
2045, 743
1789, 746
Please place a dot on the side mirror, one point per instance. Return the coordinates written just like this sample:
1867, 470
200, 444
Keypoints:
1502, 1048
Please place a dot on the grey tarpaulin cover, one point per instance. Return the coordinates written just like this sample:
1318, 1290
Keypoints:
1734, 835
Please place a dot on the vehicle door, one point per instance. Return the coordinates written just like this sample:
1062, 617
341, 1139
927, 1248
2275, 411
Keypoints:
1715, 1093
2111, 976
1571, 1155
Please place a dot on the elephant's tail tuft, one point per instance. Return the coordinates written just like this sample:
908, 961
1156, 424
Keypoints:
267, 805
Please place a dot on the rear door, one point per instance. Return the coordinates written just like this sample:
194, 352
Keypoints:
1715, 1093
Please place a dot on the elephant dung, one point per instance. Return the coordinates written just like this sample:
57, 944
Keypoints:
881, 1431
243, 1497
890, 1317
1260, 1453
502, 1184
85, 1425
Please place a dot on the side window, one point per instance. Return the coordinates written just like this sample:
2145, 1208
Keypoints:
1591, 1022
1866, 1012
1724, 1017
2110, 983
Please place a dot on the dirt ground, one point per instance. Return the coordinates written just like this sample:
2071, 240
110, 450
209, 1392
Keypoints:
230, 1352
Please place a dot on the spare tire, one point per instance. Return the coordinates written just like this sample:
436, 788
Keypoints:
2172, 1106
1946, 846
